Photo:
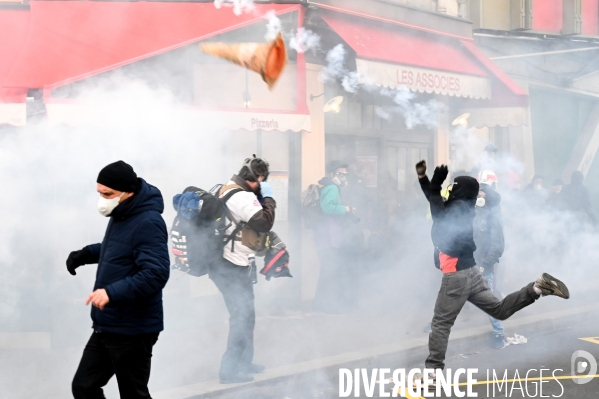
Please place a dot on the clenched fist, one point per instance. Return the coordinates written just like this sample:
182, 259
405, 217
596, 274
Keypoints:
421, 168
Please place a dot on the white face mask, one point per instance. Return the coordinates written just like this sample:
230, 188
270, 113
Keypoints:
480, 202
106, 206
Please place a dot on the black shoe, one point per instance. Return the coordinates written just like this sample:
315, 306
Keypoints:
253, 369
549, 285
236, 378
499, 341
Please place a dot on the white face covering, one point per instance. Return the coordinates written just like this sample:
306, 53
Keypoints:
106, 206
480, 202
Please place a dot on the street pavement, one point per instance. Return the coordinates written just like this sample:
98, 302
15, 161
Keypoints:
520, 365
291, 342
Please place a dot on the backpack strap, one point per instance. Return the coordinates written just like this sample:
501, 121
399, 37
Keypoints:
232, 190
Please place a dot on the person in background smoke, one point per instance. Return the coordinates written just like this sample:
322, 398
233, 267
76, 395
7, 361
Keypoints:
453, 236
332, 292
535, 193
487, 161
489, 240
133, 268
555, 191
575, 198
234, 275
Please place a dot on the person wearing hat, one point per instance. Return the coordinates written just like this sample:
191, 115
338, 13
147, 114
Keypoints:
453, 236
133, 268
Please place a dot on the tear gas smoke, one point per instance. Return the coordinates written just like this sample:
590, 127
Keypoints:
335, 69
239, 6
305, 40
273, 27
414, 114
49, 171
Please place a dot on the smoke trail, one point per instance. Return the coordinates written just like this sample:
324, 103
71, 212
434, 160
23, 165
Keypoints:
335, 63
335, 69
239, 6
305, 40
414, 114
273, 28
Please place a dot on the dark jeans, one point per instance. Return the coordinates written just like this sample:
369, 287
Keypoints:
238, 291
456, 289
105, 355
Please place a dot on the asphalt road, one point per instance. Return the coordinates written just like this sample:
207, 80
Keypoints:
550, 351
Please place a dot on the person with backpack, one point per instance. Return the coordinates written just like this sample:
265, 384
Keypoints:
250, 214
453, 236
133, 268
333, 293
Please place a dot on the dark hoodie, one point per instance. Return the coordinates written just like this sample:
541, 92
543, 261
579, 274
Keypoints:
133, 265
575, 197
452, 231
488, 230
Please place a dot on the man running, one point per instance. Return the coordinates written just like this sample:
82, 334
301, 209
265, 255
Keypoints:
452, 235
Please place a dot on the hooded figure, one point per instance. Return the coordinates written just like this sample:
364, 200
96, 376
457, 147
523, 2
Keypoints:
575, 197
452, 231
453, 238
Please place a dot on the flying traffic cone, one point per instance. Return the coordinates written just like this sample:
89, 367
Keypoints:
268, 59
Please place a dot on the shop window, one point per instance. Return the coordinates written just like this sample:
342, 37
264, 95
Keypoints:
522, 13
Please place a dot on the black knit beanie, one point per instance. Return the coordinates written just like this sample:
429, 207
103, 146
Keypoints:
119, 176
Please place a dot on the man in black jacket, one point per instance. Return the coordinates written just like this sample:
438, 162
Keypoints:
253, 205
133, 268
453, 237
490, 242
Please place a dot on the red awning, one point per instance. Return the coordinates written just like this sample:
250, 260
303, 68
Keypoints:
14, 25
69, 40
393, 56
379, 42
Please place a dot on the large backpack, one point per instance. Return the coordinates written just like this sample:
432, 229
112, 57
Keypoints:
198, 231
311, 210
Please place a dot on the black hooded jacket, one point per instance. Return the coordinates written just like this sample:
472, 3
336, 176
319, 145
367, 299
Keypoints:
488, 230
452, 231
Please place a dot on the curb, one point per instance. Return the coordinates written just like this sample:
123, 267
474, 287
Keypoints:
326, 369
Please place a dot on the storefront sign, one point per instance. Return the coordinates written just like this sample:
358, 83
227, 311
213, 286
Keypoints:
424, 80
75, 114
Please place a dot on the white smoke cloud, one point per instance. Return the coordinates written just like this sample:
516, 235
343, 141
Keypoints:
335, 63
305, 40
273, 28
335, 69
239, 6
414, 114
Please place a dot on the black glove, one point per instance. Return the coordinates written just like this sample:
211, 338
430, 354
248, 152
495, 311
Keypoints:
421, 168
439, 176
78, 258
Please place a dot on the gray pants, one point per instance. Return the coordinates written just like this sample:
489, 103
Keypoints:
456, 289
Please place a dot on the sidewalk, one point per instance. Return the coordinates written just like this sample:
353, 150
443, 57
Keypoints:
317, 344
186, 360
